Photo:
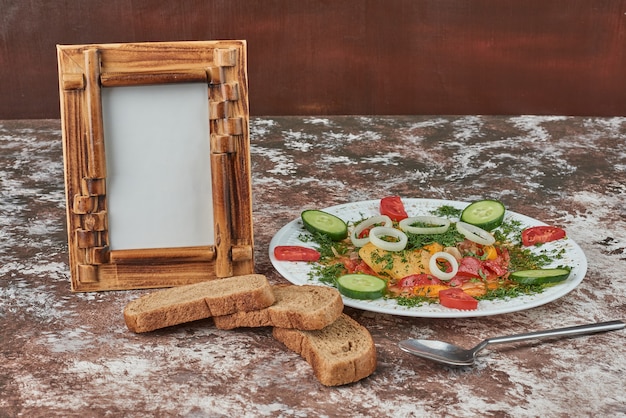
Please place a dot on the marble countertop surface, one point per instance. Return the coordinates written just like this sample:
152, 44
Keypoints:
70, 354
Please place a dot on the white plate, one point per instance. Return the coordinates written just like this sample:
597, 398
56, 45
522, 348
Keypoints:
298, 272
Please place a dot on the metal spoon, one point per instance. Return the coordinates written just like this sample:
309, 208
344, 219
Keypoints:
447, 353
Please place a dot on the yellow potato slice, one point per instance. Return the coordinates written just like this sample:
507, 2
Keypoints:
395, 264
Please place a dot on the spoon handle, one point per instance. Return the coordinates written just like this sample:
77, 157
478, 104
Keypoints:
560, 332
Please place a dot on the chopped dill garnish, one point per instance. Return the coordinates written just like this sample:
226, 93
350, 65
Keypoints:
327, 274
509, 292
415, 301
447, 239
447, 211
510, 230
326, 246
386, 260
524, 259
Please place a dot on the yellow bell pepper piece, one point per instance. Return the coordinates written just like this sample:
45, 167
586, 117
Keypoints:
433, 248
490, 252
429, 290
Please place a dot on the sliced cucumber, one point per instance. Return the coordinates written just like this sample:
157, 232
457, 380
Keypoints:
485, 214
361, 286
541, 276
325, 223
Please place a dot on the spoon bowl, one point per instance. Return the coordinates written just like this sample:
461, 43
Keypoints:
454, 355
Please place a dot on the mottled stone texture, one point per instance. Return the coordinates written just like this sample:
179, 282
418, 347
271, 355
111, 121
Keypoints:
66, 354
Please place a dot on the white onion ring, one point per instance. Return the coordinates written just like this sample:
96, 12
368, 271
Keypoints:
391, 232
359, 242
475, 234
436, 271
442, 225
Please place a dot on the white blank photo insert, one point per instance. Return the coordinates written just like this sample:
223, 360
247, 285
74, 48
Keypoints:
158, 166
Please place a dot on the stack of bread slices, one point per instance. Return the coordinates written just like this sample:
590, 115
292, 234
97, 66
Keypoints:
306, 319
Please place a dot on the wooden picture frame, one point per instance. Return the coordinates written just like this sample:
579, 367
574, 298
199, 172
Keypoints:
84, 71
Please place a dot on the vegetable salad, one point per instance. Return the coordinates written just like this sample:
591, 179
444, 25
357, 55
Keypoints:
452, 257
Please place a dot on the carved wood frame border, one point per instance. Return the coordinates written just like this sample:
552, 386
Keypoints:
83, 71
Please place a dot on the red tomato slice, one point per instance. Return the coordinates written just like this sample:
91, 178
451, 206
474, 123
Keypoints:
393, 207
458, 281
357, 266
422, 279
295, 253
470, 266
497, 266
541, 234
362, 267
455, 298
349, 264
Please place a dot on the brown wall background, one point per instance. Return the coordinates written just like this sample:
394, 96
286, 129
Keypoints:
350, 56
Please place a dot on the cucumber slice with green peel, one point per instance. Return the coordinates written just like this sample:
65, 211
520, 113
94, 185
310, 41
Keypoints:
361, 286
325, 223
540, 276
485, 214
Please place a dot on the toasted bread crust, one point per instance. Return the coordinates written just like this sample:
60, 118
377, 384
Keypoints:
305, 307
188, 303
342, 353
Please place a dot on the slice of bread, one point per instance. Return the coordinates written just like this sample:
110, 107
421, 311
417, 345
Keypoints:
188, 303
305, 307
341, 353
